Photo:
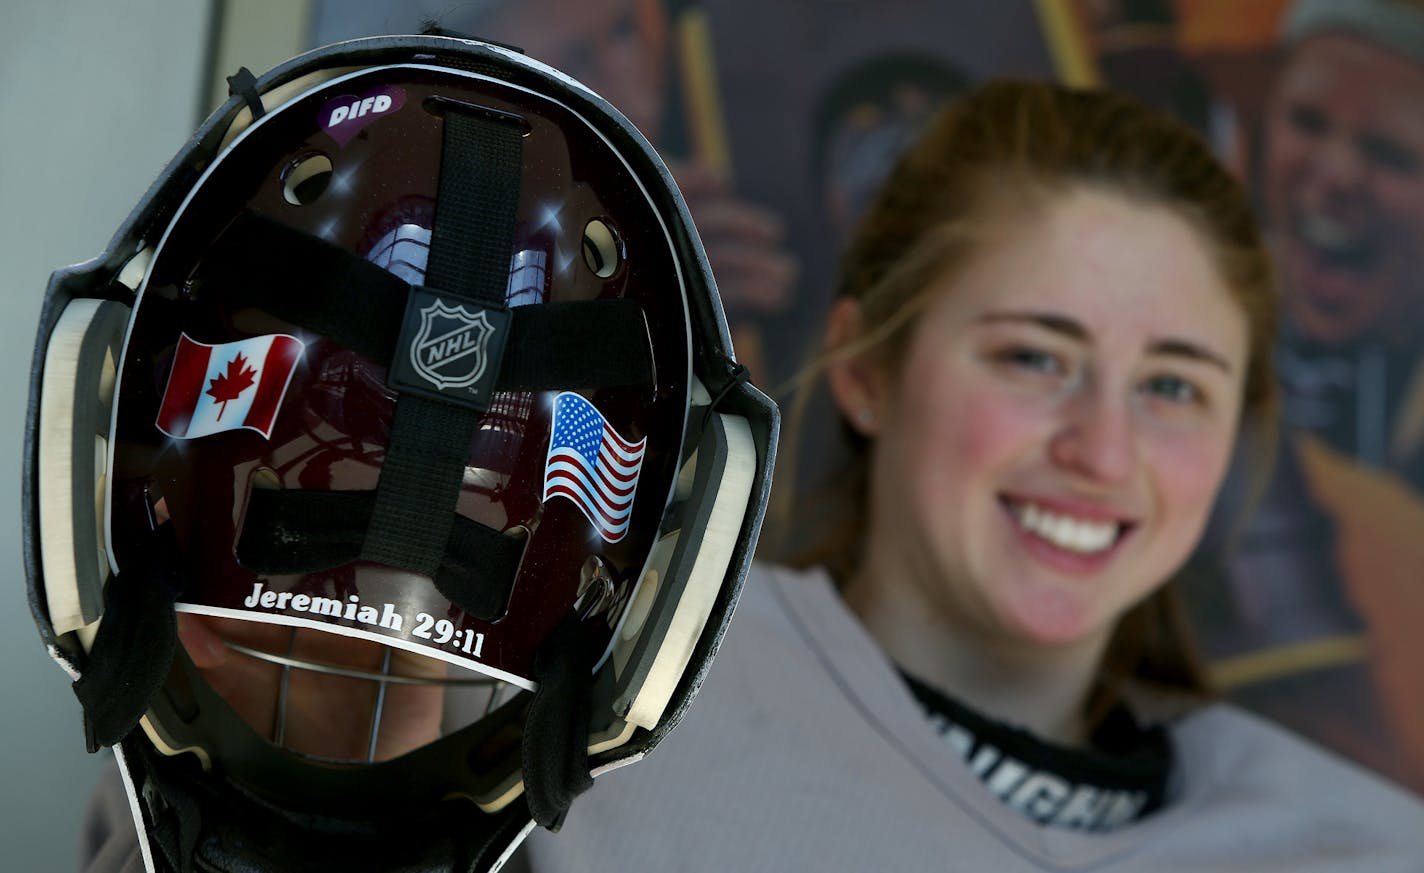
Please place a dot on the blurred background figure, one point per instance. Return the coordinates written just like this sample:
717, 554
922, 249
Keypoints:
866, 119
1343, 183
1316, 624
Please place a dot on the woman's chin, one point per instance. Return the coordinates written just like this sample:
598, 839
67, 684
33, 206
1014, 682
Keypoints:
1051, 619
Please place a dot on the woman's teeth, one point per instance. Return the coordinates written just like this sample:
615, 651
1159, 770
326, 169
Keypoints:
1066, 532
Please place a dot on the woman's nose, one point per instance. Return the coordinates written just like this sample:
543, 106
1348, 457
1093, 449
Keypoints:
1096, 438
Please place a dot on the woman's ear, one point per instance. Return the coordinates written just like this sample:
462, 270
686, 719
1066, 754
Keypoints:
854, 380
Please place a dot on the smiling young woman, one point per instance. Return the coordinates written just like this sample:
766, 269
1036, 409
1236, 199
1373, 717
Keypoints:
1047, 451
1051, 327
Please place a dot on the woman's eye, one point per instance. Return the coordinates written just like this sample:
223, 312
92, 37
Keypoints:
1030, 359
1174, 390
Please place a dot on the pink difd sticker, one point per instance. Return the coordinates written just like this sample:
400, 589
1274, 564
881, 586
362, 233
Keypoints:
345, 116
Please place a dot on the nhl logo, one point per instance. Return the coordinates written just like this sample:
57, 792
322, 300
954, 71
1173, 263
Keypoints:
451, 349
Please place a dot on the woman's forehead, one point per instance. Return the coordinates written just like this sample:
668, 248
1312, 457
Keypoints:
1103, 260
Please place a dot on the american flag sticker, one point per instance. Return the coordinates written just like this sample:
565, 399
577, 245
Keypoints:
590, 464
231, 386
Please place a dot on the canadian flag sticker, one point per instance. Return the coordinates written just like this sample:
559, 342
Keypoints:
229, 386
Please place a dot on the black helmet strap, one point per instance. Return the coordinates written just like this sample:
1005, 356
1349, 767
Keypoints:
471, 246
307, 281
301, 531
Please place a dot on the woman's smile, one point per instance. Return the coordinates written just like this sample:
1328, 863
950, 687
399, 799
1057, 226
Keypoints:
1076, 539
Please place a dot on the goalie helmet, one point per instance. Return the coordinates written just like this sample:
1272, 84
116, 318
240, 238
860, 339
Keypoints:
390, 472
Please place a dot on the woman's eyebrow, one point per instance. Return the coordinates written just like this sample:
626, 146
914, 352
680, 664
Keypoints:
1072, 329
1182, 348
1047, 320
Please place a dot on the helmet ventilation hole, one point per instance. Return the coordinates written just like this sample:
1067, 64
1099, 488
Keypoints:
602, 249
305, 178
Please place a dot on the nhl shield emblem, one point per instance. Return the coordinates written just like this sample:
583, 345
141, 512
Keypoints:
451, 348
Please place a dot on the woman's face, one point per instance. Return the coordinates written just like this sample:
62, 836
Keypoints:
1048, 450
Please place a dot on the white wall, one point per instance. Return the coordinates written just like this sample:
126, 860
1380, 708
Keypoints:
95, 97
